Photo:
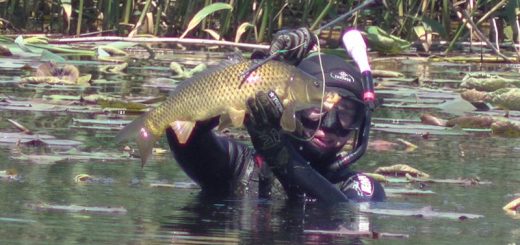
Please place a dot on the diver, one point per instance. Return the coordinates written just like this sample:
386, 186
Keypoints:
309, 163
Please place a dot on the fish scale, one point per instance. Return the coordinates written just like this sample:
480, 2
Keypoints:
219, 92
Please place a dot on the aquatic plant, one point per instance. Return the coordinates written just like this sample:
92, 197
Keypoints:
425, 21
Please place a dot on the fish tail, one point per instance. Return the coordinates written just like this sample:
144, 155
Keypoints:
145, 138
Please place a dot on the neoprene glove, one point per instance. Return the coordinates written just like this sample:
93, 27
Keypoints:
293, 45
263, 123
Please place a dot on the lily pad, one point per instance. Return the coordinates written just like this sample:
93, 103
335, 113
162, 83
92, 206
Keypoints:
417, 129
73, 156
51, 74
506, 129
393, 192
40, 106
16, 220
176, 185
400, 170
77, 208
507, 98
512, 207
466, 182
425, 212
35, 140
89, 179
381, 41
352, 233
471, 122
487, 82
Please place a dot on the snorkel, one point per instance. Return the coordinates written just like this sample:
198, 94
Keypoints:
356, 48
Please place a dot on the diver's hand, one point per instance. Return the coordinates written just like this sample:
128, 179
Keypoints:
293, 45
263, 122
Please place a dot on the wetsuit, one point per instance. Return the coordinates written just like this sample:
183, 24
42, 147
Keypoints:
223, 166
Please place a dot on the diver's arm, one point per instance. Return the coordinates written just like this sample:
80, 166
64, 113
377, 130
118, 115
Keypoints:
212, 161
295, 174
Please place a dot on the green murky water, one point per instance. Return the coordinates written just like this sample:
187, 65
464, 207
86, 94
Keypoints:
151, 215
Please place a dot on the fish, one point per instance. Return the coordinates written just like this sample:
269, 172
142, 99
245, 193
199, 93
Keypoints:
223, 91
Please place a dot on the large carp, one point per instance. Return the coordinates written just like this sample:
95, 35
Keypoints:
223, 90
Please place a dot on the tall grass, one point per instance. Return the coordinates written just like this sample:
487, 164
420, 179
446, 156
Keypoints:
171, 17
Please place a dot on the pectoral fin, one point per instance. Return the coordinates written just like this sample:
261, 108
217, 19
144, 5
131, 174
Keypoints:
288, 120
182, 130
237, 117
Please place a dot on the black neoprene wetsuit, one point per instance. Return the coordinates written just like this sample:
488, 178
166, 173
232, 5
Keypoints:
224, 166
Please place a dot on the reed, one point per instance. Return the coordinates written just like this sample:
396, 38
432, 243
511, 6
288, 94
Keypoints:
399, 19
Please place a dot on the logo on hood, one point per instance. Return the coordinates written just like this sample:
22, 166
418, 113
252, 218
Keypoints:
342, 76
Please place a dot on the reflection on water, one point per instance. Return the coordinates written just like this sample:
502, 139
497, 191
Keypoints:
181, 216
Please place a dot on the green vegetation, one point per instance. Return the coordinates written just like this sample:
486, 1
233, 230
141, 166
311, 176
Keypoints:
255, 21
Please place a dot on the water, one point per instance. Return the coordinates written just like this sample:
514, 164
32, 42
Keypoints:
179, 215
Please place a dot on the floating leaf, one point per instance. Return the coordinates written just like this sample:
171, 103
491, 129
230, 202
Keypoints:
352, 233
506, 98
377, 177
50, 56
430, 119
101, 121
81, 178
77, 208
457, 106
120, 45
21, 43
114, 103
406, 192
418, 129
177, 67
487, 82
35, 140
85, 178
20, 127
425, 212
203, 13
9, 175
471, 122
15, 220
473, 96
114, 69
36, 40
102, 53
74, 157
381, 41
49, 73
506, 129
4, 51
409, 145
401, 170
177, 185
83, 80
386, 73
512, 207
183, 72
466, 182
